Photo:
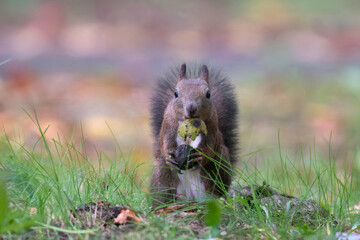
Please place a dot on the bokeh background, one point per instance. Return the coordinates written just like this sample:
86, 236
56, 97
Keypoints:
86, 66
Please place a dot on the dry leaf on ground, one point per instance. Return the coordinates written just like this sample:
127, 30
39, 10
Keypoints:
125, 216
172, 208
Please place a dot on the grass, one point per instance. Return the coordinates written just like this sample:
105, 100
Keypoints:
42, 183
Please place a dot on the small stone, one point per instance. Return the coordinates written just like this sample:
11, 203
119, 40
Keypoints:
33, 211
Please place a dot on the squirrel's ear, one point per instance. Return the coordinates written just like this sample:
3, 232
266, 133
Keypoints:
182, 72
204, 75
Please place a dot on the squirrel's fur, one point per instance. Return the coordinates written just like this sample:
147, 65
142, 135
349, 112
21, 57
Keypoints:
223, 98
185, 93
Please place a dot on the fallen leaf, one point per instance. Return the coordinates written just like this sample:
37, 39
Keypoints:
125, 216
172, 208
246, 226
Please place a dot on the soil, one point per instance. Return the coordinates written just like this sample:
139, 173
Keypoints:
104, 216
301, 211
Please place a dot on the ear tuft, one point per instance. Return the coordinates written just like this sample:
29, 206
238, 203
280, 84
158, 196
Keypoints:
204, 75
182, 71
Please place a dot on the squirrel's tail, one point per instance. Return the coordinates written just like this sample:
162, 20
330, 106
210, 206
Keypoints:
222, 95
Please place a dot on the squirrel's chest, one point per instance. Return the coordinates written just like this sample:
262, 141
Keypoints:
194, 143
190, 181
191, 185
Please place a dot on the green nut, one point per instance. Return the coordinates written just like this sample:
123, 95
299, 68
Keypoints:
191, 128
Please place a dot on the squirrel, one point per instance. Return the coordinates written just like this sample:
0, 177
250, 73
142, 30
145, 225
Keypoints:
205, 95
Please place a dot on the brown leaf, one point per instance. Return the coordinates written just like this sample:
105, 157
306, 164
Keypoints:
125, 216
246, 226
172, 208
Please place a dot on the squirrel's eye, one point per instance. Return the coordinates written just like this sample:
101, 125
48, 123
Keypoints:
208, 94
176, 93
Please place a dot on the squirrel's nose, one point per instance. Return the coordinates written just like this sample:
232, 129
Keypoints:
191, 110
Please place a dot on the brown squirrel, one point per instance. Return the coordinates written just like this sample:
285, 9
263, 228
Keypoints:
205, 95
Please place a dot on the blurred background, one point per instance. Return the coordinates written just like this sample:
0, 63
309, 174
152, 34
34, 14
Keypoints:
85, 66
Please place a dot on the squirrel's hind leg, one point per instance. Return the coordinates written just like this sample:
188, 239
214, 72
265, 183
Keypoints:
163, 185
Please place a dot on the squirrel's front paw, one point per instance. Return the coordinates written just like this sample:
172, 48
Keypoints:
196, 159
171, 161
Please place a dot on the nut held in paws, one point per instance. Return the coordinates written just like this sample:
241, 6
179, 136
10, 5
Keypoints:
191, 128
